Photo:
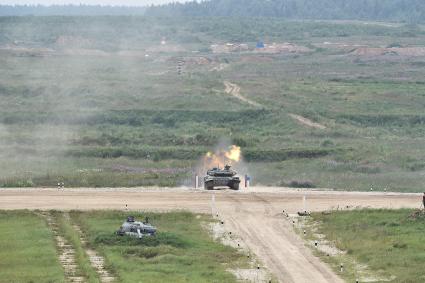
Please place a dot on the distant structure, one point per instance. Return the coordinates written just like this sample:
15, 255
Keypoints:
285, 48
229, 47
260, 47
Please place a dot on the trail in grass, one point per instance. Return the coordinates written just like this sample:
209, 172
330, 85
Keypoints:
66, 251
307, 122
235, 91
96, 260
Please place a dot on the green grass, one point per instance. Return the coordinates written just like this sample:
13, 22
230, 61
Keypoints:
181, 252
388, 242
27, 249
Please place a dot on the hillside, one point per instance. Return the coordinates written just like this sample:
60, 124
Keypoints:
132, 101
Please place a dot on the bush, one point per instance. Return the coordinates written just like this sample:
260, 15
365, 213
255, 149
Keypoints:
161, 238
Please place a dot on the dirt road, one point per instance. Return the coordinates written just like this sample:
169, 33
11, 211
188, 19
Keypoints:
307, 122
255, 215
235, 90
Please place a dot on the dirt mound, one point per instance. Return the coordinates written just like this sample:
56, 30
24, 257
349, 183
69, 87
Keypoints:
282, 48
229, 47
400, 51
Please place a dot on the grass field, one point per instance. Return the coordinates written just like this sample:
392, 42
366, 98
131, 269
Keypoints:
383, 244
81, 108
181, 252
27, 249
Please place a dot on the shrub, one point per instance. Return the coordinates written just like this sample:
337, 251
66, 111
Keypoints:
161, 238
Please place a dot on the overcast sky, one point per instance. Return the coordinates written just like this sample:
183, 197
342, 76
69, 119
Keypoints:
89, 2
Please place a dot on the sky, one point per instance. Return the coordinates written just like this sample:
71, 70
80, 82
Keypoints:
88, 2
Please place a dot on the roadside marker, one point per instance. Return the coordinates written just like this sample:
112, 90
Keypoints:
196, 181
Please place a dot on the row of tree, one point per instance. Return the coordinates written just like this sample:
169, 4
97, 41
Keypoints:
69, 10
412, 11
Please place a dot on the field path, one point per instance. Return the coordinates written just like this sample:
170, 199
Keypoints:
307, 122
96, 260
66, 251
235, 90
255, 215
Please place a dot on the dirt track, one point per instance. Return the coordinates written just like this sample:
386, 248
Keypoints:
235, 90
307, 122
255, 215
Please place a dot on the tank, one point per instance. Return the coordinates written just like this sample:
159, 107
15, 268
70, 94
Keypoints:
138, 229
217, 177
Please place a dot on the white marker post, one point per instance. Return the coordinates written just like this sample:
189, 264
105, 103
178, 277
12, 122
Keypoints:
304, 204
196, 181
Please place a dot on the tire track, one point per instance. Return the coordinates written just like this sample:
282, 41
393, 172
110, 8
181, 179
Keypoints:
307, 122
96, 260
235, 90
66, 251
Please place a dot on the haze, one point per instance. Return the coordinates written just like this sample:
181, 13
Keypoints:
88, 2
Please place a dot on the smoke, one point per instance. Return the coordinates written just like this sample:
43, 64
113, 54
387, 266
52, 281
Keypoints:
223, 154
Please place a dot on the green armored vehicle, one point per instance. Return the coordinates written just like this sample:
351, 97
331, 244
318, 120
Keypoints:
217, 177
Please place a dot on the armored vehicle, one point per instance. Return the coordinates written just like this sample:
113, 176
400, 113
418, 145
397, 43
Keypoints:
217, 177
136, 228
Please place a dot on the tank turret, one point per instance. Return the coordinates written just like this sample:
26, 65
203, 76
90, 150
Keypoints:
217, 177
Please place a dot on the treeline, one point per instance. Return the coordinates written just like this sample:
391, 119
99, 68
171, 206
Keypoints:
412, 11
69, 10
